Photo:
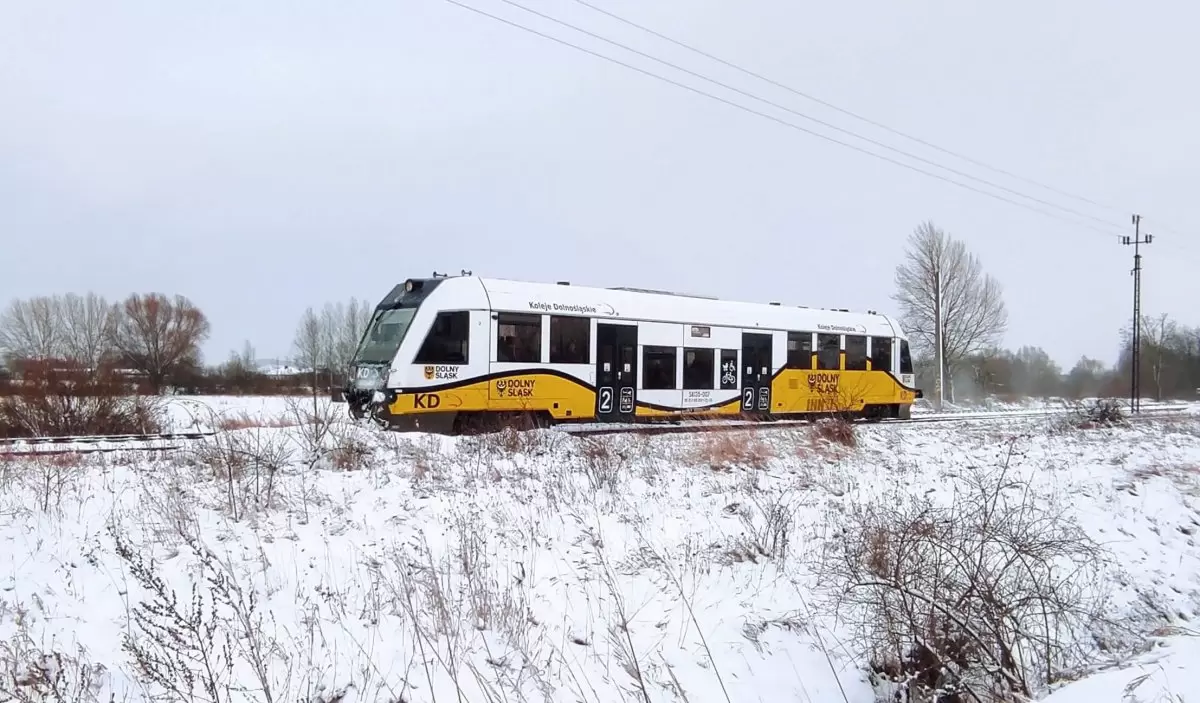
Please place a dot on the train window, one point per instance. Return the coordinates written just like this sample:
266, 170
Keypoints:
905, 358
799, 350
856, 353
570, 339
658, 368
519, 338
447, 340
829, 352
698, 369
729, 367
881, 353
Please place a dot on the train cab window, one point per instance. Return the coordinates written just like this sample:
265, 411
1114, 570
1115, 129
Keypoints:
447, 340
570, 339
658, 368
905, 358
729, 369
799, 350
881, 353
856, 353
829, 352
699, 369
519, 338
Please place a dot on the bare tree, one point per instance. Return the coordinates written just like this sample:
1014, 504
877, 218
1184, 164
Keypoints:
354, 324
330, 318
310, 345
159, 335
32, 329
86, 328
346, 324
1086, 378
326, 342
972, 307
1160, 336
240, 371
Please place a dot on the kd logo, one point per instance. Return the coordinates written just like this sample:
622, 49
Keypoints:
426, 401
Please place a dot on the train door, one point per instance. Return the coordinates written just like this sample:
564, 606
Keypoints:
616, 372
756, 372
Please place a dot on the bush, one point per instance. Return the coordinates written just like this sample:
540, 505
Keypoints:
60, 400
975, 600
1101, 412
837, 430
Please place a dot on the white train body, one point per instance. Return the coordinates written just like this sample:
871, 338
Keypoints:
455, 345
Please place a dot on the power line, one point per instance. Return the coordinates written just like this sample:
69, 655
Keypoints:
805, 116
842, 110
773, 118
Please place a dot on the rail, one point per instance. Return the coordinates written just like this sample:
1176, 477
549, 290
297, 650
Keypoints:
33, 446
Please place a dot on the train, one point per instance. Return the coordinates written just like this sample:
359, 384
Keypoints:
455, 353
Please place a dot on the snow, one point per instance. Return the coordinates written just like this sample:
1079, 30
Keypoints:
547, 567
1170, 674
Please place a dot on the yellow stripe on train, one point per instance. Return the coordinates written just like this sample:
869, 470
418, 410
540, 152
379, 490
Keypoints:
792, 391
562, 397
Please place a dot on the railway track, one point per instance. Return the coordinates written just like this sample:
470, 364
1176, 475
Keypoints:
593, 429
171, 441
97, 444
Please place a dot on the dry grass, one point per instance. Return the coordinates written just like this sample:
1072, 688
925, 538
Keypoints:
29, 673
838, 431
727, 450
603, 463
1185, 476
247, 463
349, 451
245, 421
48, 478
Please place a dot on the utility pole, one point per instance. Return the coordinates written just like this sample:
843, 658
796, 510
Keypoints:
1135, 391
937, 327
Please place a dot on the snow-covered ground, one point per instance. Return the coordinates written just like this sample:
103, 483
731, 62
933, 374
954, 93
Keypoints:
928, 406
547, 567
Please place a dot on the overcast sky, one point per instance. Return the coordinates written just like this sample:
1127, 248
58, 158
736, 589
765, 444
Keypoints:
260, 157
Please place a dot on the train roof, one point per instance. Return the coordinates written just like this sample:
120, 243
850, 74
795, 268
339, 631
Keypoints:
661, 306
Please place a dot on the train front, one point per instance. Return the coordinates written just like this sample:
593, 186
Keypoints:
366, 390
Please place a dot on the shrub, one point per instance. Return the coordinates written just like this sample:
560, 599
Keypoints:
60, 400
836, 430
1103, 411
1100, 412
975, 600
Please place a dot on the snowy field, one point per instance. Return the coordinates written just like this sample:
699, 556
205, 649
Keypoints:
273, 564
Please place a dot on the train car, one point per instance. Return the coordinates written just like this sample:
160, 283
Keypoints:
444, 354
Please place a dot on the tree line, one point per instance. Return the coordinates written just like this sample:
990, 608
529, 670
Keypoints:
940, 277
152, 334
154, 341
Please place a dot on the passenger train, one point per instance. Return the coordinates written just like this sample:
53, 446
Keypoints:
450, 353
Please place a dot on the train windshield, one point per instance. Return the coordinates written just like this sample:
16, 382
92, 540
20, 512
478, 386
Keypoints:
906, 365
384, 335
